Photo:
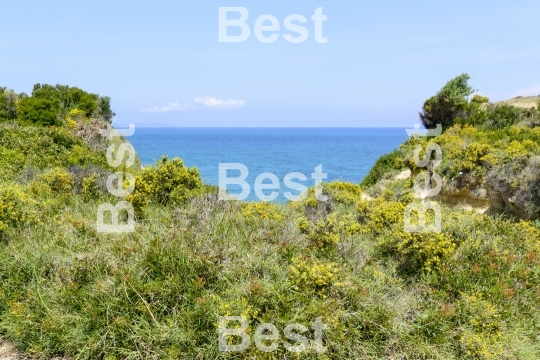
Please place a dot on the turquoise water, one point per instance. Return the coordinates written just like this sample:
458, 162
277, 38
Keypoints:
345, 153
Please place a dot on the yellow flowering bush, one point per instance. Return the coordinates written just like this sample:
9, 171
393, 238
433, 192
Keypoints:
168, 182
520, 148
480, 340
417, 250
75, 116
483, 316
472, 157
58, 180
478, 346
344, 192
314, 276
426, 249
303, 224
527, 236
260, 210
89, 189
140, 197
239, 307
15, 207
384, 214
326, 233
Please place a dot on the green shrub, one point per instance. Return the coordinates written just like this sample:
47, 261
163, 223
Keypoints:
476, 114
382, 166
502, 116
44, 147
89, 187
15, 207
37, 111
343, 192
168, 182
326, 233
314, 276
58, 180
479, 99
67, 98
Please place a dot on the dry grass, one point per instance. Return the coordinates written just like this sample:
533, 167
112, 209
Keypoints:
522, 101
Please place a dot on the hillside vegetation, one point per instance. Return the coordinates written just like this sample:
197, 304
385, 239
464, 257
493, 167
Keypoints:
526, 102
471, 291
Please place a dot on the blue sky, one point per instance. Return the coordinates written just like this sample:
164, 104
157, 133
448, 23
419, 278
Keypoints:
162, 64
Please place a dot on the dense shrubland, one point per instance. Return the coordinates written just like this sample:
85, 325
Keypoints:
471, 291
49, 105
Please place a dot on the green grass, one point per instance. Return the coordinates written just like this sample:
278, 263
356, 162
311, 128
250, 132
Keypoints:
157, 293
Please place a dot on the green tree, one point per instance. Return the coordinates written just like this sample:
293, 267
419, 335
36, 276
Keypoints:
448, 104
8, 104
68, 98
38, 111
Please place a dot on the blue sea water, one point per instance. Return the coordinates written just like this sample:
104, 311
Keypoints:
345, 153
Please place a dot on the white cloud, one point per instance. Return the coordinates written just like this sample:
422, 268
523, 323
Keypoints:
219, 103
533, 91
167, 108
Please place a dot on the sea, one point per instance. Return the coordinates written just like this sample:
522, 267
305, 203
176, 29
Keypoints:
346, 154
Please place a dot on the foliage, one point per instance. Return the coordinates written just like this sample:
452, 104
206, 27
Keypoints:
15, 207
344, 192
67, 98
312, 275
261, 210
382, 166
468, 292
449, 103
58, 180
41, 147
503, 116
168, 182
38, 111
8, 105
53, 106
480, 99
